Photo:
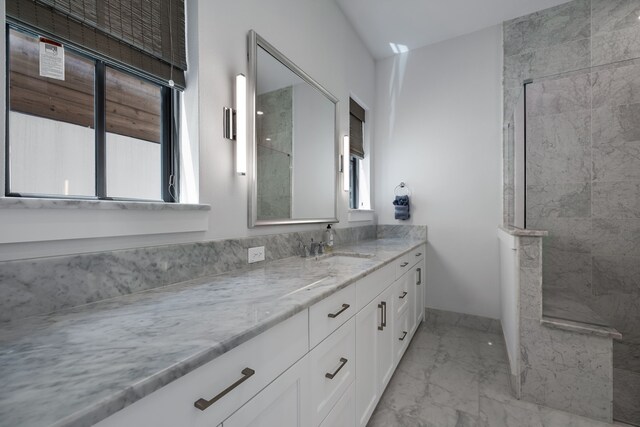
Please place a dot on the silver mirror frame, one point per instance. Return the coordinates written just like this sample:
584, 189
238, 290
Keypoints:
254, 40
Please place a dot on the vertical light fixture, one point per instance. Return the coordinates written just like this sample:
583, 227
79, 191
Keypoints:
234, 125
241, 124
345, 162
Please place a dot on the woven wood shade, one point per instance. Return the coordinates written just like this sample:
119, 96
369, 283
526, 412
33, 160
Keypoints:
145, 35
356, 120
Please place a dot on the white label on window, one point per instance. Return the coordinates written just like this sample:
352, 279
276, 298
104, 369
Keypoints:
51, 59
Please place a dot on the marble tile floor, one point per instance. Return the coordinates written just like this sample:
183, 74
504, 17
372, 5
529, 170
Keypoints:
459, 377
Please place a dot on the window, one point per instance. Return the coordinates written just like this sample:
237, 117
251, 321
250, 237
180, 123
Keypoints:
354, 166
101, 132
356, 156
104, 125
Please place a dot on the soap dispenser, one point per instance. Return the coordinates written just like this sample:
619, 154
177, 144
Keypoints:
328, 238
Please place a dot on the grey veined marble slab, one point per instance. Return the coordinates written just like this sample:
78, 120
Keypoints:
83, 364
31, 203
44, 285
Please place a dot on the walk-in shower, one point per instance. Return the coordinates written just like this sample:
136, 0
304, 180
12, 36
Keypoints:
573, 169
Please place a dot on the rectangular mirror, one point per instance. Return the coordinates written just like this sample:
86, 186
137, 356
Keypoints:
294, 150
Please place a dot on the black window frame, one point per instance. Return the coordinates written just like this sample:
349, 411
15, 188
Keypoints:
353, 182
170, 130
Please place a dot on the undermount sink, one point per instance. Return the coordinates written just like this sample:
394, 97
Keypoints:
342, 254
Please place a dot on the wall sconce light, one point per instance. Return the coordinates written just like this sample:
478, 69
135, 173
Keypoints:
235, 124
345, 163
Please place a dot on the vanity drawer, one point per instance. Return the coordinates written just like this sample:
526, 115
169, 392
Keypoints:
266, 356
402, 336
329, 314
403, 294
332, 370
372, 285
406, 261
417, 255
403, 264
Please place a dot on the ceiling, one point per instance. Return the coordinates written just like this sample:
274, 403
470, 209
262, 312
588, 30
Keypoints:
388, 27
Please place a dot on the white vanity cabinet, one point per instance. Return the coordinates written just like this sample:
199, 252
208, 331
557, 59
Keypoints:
222, 385
327, 366
384, 328
375, 361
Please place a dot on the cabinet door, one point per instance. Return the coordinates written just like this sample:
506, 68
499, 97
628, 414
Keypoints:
384, 344
283, 403
368, 324
420, 286
332, 370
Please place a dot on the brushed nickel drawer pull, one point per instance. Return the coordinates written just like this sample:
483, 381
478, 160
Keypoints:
404, 294
419, 270
404, 264
343, 362
404, 335
203, 404
338, 313
419, 253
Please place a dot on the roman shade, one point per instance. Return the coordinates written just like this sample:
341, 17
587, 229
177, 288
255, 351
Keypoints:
356, 120
147, 36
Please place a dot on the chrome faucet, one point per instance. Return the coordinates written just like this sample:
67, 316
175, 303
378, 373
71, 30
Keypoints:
313, 249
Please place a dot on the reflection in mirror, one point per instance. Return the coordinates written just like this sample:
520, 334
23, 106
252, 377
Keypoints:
295, 144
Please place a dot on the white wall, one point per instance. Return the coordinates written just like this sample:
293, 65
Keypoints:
438, 128
313, 34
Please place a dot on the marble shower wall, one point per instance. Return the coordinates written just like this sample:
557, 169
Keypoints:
544, 43
569, 37
559, 368
275, 144
44, 285
583, 172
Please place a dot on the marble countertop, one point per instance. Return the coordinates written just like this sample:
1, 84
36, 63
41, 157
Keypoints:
78, 366
522, 232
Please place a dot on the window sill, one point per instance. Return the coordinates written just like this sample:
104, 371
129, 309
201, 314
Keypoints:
39, 220
361, 215
35, 203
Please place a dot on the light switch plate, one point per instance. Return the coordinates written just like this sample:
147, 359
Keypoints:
256, 254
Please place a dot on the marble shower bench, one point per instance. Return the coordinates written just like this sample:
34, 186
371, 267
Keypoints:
558, 363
